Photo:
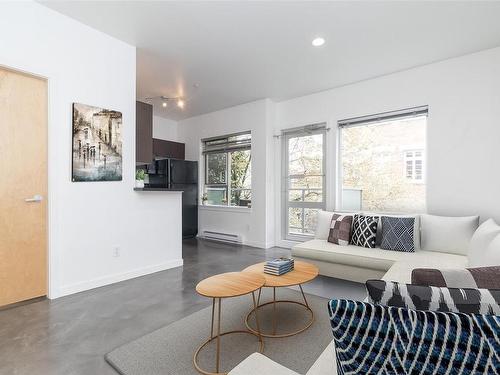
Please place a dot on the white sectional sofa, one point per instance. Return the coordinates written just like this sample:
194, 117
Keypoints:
440, 242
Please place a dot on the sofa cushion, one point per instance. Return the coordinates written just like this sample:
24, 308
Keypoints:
447, 234
374, 339
479, 277
257, 363
401, 271
326, 364
397, 234
323, 222
485, 245
364, 230
375, 259
340, 229
465, 300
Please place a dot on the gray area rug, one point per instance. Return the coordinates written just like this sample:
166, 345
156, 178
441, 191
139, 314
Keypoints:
169, 350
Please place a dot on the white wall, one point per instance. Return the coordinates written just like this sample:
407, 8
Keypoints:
463, 133
255, 225
86, 220
164, 128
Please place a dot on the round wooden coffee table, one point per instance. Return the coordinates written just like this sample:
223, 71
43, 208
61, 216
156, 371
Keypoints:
302, 273
227, 285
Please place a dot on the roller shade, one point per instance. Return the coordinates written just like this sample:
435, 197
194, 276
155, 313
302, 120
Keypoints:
386, 116
233, 142
305, 129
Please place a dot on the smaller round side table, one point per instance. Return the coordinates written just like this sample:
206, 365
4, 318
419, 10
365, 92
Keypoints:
227, 285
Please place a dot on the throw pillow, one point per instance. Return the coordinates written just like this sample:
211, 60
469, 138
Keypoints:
364, 230
484, 247
416, 229
397, 234
340, 229
323, 225
479, 277
447, 234
476, 301
371, 339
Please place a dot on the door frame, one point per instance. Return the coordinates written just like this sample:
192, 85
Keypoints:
50, 254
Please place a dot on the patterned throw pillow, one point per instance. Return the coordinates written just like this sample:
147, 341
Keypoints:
477, 277
470, 301
364, 230
373, 339
340, 229
397, 234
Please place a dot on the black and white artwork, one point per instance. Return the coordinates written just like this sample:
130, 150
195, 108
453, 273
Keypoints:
97, 144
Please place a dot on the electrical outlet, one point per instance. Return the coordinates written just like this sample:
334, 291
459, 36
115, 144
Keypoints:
116, 251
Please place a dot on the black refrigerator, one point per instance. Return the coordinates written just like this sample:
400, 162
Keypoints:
183, 174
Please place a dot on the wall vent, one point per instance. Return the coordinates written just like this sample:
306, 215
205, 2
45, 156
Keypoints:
223, 237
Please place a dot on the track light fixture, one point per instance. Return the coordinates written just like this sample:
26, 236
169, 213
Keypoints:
165, 99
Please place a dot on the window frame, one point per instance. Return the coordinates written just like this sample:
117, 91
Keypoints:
227, 150
421, 111
286, 177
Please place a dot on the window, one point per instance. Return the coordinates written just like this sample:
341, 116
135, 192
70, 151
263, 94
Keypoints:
382, 162
228, 170
414, 164
304, 180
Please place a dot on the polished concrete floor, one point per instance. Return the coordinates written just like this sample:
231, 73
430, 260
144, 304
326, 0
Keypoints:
72, 334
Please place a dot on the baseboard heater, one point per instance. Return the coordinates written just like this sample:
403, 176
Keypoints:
222, 237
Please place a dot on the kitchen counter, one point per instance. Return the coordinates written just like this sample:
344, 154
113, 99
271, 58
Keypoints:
158, 189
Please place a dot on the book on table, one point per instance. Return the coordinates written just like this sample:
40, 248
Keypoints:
279, 266
280, 262
278, 269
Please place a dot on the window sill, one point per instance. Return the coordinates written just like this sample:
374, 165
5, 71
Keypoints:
297, 238
225, 208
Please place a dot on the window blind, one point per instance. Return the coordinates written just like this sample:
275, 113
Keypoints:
305, 129
232, 142
386, 116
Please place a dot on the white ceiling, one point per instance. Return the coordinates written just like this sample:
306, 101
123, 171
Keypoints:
238, 52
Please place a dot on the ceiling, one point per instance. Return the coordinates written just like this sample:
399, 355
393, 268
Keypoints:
220, 54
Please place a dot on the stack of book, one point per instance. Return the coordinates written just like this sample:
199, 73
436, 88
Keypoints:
278, 266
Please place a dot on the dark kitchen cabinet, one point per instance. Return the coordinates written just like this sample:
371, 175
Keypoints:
168, 149
143, 132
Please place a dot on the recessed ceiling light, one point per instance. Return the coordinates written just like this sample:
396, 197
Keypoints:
318, 42
180, 103
164, 104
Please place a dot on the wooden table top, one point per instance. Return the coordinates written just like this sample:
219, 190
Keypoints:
302, 273
231, 284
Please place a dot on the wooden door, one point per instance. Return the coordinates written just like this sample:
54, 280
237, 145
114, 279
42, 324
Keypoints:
23, 182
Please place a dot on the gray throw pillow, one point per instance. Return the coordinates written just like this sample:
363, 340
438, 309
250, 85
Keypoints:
478, 277
397, 234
